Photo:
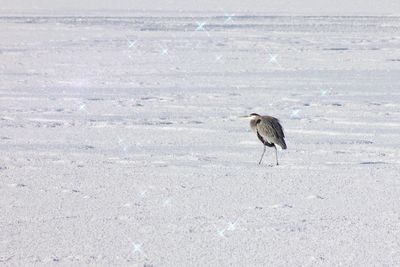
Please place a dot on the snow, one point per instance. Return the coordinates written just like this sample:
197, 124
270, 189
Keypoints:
235, 7
122, 143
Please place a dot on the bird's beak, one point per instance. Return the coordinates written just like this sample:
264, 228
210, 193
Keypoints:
244, 117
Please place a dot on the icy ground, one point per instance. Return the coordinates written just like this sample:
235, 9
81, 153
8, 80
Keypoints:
121, 142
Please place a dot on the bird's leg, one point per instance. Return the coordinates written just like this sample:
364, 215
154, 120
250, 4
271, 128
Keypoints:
262, 155
276, 155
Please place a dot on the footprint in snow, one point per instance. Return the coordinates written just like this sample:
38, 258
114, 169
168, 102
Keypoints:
315, 197
17, 185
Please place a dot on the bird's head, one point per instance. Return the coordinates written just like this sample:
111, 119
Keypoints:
252, 116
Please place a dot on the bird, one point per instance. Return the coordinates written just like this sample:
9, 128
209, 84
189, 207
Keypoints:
269, 131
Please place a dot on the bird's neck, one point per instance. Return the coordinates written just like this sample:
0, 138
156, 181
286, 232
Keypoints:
253, 124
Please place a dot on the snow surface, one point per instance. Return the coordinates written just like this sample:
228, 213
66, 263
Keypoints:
275, 7
122, 144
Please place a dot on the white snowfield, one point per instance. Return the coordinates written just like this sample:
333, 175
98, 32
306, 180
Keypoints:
121, 141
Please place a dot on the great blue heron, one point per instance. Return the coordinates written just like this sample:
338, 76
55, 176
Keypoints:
269, 131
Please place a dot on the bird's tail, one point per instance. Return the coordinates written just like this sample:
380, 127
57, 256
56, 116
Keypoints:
282, 143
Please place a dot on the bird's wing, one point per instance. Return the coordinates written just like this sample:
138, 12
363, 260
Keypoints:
270, 128
278, 127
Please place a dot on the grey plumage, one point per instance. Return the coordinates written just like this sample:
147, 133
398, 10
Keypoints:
269, 132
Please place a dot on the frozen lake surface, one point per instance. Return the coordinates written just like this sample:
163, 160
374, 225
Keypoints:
121, 142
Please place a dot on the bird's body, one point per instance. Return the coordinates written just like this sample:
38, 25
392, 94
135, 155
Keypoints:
269, 131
